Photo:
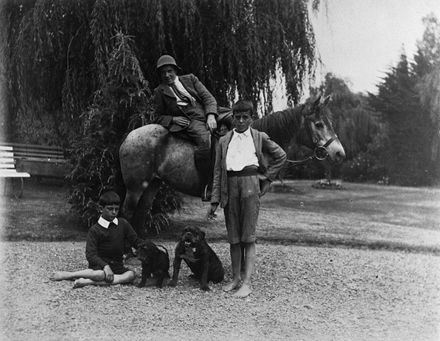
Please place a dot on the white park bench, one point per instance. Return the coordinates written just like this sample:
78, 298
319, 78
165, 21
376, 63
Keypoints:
7, 169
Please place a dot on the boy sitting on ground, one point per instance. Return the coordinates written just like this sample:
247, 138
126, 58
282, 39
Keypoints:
105, 248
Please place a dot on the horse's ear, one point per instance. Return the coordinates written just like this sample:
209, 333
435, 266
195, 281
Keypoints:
326, 100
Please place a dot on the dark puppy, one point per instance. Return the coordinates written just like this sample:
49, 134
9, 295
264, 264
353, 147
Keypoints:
155, 262
199, 256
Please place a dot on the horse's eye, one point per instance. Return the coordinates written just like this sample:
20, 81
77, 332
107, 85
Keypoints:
319, 125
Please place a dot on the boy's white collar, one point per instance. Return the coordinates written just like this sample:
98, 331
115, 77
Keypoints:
246, 133
105, 223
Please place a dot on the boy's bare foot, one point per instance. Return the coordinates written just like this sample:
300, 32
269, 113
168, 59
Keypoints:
231, 286
80, 282
59, 276
243, 292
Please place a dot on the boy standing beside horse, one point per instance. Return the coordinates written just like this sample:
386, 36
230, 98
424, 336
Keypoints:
241, 176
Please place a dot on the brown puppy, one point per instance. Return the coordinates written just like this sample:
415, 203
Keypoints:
199, 257
155, 262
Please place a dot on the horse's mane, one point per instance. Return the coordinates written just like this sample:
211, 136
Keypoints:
281, 126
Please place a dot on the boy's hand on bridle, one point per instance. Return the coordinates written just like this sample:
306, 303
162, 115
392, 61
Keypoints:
265, 185
210, 215
108, 274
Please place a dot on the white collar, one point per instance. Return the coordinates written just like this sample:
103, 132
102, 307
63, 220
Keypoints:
105, 223
246, 133
177, 82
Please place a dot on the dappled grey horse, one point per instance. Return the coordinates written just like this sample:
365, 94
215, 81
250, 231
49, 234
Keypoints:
151, 155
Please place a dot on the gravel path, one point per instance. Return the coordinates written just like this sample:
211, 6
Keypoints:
300, 293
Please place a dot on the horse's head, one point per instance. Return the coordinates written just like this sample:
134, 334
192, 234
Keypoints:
320, 134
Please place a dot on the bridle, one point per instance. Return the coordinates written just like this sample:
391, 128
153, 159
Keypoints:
320, 153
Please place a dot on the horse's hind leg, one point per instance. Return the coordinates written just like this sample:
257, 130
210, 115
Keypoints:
144, 206
130, 203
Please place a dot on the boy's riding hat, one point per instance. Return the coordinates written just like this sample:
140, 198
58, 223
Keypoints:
166, 59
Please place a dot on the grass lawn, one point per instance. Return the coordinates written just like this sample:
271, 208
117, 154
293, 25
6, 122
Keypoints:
358, 215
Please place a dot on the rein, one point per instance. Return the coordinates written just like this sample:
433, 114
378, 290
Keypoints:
320, 153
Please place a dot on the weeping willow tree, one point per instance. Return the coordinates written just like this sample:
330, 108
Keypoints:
59, 52
64, 77
120, 105
233, 46
50, 69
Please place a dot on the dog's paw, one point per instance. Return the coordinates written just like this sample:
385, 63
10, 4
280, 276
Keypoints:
172, 283
205, 288
141, 285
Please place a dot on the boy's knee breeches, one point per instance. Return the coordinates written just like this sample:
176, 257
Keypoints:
242, 209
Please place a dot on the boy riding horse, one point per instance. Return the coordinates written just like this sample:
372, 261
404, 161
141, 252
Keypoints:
188, 110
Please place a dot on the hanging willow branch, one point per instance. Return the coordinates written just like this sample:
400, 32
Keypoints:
122, 104
61, 47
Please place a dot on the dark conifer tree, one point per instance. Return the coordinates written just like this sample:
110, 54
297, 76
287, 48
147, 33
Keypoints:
399, 104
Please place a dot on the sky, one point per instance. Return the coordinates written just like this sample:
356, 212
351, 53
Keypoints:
359, 40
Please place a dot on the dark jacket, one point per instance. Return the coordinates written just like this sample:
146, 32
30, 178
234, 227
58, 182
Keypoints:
270, 156
167, 108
